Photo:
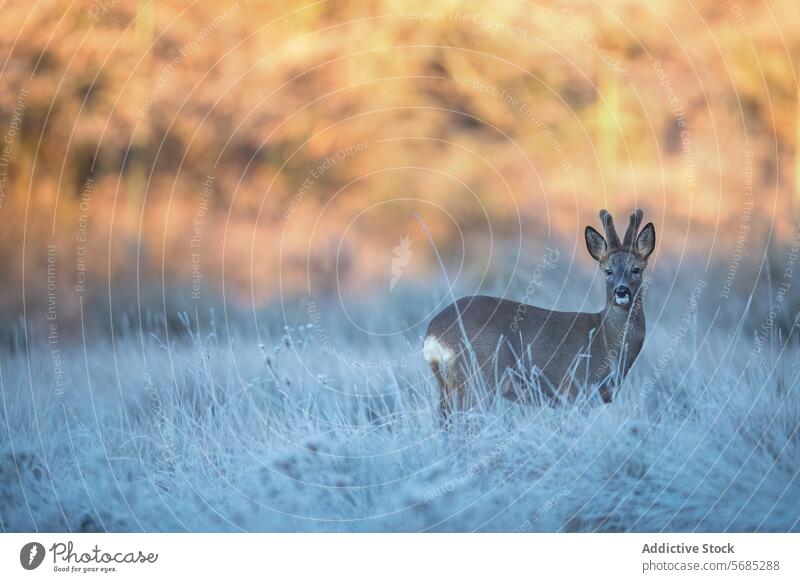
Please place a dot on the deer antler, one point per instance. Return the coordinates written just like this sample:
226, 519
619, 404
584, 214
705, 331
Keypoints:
633, 227
611, 233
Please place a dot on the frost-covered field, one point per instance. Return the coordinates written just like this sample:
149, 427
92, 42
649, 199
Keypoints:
286, 432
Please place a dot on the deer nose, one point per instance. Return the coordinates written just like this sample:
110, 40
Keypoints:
623, 291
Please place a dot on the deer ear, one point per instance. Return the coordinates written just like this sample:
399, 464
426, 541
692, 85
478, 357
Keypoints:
646, 241
596, 244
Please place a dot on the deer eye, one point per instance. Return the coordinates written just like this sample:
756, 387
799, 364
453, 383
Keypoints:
609, 272
635, 270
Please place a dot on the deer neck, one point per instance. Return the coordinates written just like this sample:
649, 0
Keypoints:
618, 323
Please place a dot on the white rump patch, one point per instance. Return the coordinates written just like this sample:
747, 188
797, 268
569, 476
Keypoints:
436, 351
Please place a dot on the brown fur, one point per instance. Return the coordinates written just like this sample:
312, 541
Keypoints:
507, 336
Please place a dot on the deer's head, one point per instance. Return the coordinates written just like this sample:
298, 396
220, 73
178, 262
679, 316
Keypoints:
622, 263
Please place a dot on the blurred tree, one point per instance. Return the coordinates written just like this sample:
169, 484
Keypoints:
480, 111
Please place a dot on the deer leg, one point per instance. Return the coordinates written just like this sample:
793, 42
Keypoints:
444, 403
441, 360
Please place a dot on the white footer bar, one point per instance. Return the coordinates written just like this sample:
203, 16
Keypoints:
353, 557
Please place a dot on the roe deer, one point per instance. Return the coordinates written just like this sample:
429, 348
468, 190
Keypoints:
567, 352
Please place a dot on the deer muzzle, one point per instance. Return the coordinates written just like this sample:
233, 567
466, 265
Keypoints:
622, 295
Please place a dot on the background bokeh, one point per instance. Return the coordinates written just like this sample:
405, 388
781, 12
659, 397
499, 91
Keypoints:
246, 151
